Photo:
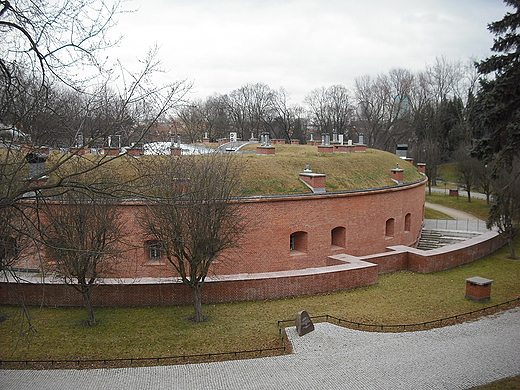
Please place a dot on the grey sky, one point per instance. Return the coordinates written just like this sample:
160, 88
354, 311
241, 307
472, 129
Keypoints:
300, 45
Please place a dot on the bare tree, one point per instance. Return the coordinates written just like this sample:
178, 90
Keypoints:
208, 117
81, 233
194, 218
331, 109
52, 39
19, 185
385, 108
215, 116
437, 113
192, 121
505, 210
250, 109
467, 168
443, 78
287, 117
485, 179
43, 101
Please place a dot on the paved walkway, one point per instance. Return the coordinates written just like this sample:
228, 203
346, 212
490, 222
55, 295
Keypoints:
454, 357
457, 214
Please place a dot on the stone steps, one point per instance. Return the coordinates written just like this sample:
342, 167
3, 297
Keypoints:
432, 239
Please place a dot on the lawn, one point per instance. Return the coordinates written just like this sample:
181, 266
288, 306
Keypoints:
448, 173
477, 207
434, 214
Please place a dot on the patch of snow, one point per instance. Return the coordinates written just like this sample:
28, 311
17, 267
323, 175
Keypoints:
163, 148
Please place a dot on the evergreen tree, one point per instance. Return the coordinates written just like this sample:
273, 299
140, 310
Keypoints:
499, 98
499, 114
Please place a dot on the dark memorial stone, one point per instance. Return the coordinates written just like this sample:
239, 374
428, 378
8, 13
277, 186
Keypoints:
304, 323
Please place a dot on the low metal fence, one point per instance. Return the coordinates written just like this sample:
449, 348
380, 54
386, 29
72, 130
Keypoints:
406, 327
461, 225
136, 362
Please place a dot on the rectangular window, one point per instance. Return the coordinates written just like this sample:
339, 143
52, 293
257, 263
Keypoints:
337, 238
155, 252
298, 242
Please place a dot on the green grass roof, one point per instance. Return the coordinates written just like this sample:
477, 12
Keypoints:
274, 175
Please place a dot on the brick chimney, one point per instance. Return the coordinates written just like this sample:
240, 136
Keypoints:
315, 181
398, 174
421, 167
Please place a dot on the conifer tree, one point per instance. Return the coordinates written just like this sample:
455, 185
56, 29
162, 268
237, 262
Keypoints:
499, 98
499, 115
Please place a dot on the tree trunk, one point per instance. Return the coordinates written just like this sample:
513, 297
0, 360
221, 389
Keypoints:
87, 297
197, 304
511, 243
469, 194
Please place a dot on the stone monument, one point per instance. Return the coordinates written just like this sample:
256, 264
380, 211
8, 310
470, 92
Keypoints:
304, 323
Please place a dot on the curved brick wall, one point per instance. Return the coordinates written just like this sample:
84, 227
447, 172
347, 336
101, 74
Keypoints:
343, 272
266, 244
343, 240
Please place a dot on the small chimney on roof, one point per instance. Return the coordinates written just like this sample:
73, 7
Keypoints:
315, 181
398, 174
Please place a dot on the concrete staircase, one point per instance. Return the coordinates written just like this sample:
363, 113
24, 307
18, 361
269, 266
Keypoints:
437, 238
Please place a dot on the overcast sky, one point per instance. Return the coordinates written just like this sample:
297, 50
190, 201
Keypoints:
221, 45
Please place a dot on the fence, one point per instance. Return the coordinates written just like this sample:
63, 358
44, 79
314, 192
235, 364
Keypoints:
456, 224
197, 358
145, 361
407, 327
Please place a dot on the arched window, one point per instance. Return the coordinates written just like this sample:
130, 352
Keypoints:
337, 238
390, 223
298, 242
407, 222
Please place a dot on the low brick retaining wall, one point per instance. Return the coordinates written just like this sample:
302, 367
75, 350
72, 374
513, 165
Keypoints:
226, 288
453, 255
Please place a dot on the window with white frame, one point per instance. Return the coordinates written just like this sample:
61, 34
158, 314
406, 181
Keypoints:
154, 250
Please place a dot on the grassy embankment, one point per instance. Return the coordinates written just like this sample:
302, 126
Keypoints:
273, 175
260, 175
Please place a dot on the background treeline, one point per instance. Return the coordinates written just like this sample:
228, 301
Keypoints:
433, 111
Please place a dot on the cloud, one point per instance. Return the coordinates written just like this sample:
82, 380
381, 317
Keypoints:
302, 44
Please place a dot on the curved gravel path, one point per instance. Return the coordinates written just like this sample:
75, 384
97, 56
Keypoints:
331, 357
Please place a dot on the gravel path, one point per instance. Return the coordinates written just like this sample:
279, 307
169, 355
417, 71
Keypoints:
331, 357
